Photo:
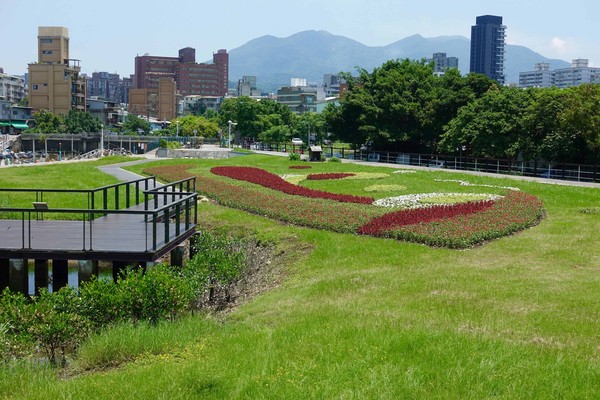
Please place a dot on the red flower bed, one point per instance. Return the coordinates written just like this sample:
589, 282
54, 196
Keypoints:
515, 212
457, 226
300, 167
400, 218
324, 177
272, 181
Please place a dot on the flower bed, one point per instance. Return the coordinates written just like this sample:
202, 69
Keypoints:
328, 176
300, 167
421, 200
454, 226
515, 212
303, 211
272, 181
401, 218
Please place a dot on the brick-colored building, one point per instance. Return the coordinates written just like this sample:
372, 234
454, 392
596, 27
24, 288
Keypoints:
191, 78
160, 102
55, 81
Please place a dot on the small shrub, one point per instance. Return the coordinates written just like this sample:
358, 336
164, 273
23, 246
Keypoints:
15, 340
55, 324
294, 156
101, 302
157, 294
334, 159
219, 261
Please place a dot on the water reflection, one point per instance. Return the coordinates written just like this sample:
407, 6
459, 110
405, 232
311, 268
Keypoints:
104, 273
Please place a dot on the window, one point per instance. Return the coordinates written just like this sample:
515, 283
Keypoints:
46, 51
47, 41
35, 87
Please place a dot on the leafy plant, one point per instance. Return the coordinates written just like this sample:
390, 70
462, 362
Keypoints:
294, 156
55, 324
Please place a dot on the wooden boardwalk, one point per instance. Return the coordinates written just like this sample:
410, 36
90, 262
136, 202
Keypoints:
142, 232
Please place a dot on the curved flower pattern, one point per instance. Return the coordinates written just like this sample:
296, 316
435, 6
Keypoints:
272, 181
458, 225
417, 200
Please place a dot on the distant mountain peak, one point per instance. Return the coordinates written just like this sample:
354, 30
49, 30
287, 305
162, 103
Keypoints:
312, 53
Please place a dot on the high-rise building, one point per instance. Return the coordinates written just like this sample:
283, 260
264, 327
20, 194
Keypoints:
109, 87
247, 86
578, 74
487, 47
442, 63
55, 81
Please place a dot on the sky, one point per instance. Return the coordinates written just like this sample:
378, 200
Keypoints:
107, 35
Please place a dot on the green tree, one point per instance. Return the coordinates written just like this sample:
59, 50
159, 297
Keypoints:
581, 121
492, 126
47, 122
134, 124
81, 122
191, 123
197, 108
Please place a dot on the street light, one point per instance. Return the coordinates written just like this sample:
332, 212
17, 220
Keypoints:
101, 140
177, 133
230, 124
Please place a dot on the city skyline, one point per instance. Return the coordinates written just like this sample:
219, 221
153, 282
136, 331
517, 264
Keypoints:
108, 36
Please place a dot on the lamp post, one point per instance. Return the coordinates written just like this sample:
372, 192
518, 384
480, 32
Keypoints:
177, 132
230, 124
101, 140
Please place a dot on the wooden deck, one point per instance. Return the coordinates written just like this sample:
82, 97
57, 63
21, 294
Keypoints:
138, 233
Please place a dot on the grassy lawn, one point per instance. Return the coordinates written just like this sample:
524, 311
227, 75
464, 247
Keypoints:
82, 175
357, 317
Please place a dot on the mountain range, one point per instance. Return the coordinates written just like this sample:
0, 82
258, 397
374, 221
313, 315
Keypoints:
311, 54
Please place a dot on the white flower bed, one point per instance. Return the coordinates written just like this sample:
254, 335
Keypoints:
404, 171
414, 200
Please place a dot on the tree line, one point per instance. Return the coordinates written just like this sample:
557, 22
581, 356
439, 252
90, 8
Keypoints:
403, 106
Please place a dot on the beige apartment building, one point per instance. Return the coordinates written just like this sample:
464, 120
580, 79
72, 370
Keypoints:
55, 81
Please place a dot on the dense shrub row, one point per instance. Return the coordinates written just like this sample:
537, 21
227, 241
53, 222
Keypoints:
56, 323
272, 181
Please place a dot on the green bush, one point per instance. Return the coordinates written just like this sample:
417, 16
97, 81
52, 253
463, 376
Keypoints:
334, 159
219, 260
56, 326
15, 339
157, 294
294, 156
101, 302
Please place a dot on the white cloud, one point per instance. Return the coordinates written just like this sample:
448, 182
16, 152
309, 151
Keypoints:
559, 45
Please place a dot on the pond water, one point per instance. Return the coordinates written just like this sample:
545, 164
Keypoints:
104, 272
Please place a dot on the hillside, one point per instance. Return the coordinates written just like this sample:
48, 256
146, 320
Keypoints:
310, 54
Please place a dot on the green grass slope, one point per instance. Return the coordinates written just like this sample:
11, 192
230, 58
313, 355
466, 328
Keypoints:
366, 318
